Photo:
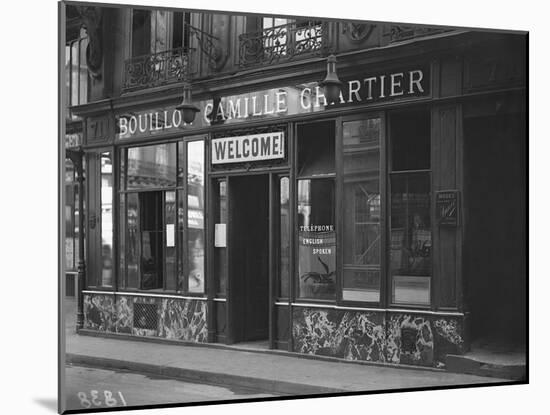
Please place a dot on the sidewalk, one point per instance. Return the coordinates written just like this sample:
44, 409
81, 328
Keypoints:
280, 374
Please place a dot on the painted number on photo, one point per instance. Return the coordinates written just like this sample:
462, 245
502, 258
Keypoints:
96, 398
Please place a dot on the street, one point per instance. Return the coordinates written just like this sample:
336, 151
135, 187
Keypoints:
95, 388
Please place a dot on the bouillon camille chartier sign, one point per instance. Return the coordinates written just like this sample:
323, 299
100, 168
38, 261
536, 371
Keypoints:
279, 102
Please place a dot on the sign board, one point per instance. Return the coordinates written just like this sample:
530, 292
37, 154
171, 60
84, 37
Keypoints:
256, 147
220, 235
170, 235
447, 205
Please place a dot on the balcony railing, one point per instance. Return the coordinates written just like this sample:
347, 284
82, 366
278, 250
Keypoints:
157, 69
282, 42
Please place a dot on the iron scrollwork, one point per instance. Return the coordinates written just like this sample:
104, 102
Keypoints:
282, 42
156, 69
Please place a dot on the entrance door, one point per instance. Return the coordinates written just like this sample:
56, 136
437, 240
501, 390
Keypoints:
249, 263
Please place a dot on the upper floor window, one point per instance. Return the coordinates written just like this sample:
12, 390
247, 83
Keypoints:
77, 81
160, 48
158, 31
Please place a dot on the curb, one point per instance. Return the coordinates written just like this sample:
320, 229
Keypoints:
462, 364
192, 375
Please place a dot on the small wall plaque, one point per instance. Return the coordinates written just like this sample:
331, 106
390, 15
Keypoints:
447, 207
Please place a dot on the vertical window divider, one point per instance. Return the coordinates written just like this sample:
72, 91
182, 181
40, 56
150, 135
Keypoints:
116, 214
387, 179
339, 190
384, 218
185, 247
293, 145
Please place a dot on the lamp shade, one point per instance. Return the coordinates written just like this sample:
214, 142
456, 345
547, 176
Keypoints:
331, 84
187, 108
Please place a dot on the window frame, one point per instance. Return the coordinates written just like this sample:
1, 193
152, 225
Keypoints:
391, 173
180, 189
186, 17
294, 179
382, 177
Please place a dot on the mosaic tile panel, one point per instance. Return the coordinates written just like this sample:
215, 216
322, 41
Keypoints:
124, 315
345, 334
183, 320
409, 340
98, 312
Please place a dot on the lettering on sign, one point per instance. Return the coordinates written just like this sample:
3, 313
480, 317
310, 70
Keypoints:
447, 205
256, 147
305, 98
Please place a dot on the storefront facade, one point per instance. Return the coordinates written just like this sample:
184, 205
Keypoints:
276, 217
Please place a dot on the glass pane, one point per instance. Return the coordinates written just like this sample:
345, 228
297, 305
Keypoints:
152, 237
411, 290
220, 237
122, 241
411, 236
106, 219
284, 248
159, 32
182, 262
316, 149
132, 242
362, 234
70, 218
195, 215
151, 166
361, 285
410, 140
170, 242
317, 239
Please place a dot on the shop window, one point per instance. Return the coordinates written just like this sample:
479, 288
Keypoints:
410, 141
316, 212
220, 236
71, 217
151, 239
170, 258
284, 237
362, 231
195, 216
410, 213
151, 167
162, 217
106, 220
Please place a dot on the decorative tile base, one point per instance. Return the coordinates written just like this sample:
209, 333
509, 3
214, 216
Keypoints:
385, 336
147, 316
98, 312
345, 334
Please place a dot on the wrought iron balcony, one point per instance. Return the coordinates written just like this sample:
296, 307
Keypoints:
282, 42
157, 69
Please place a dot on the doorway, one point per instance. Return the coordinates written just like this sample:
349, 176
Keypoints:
249, 264
495, 240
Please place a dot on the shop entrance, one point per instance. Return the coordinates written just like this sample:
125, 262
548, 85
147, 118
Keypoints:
494, 247
249, 257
